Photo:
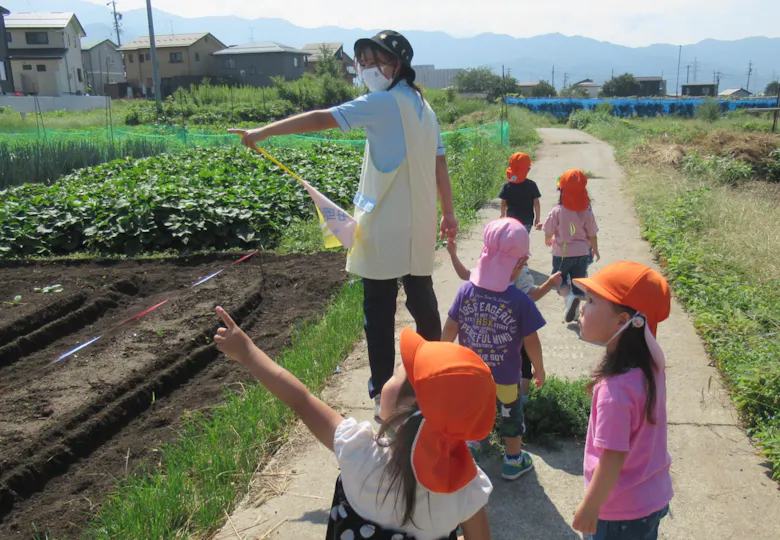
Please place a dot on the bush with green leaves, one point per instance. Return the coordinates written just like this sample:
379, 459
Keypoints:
605, 108
722, 169
708, 111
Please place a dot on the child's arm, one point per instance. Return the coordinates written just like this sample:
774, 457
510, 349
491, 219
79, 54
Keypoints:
321, 420
604, 478
534, 349
503, 208
450, 331
537, 293
463, 272
537, 212
594, 243
476, 527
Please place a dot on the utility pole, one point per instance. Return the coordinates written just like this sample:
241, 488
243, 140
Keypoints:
565, 79
749, 73
679, 57
155, 66
695, 69
553, 77
687, 74
716, 77
117, 24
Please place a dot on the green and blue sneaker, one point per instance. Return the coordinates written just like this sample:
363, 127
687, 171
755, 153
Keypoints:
515, 468
476, 449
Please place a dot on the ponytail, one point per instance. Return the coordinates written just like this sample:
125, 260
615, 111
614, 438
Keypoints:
406, 74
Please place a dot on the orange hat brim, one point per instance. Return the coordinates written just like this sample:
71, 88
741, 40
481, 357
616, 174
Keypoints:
589, 284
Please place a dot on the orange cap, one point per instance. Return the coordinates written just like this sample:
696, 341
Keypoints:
574, 195
519, 165
457, 398
634, 285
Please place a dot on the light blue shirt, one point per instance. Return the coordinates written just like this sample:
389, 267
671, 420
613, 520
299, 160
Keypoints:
379, 115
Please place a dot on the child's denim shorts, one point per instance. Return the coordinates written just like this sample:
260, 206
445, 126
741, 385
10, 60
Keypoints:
645, 528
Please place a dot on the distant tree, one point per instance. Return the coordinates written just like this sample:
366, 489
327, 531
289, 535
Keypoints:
543, 89
773, 88
483, 79
480, 79
621, 86
327, 64
574, 92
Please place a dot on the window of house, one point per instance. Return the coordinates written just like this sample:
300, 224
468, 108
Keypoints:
305, 60
37, 38
8, 37
78, 74
230, 63
147, 57
41, 67
197, 57
140, 58
252, 70
27, 67
176, 58
67, 39
130, 58
295, 61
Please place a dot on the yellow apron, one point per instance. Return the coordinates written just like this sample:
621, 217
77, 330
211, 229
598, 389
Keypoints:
396, 211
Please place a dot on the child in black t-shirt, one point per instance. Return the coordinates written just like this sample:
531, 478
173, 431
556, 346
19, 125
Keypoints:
520, 195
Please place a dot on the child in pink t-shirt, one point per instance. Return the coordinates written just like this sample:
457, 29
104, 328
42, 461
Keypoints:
628, 485
571, 230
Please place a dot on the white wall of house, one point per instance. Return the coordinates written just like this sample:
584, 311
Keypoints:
103, 65
593, 91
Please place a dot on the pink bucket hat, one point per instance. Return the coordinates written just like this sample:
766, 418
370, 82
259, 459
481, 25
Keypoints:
504, 242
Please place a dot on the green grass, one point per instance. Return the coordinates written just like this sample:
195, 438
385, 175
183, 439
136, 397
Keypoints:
213, 460
718, 245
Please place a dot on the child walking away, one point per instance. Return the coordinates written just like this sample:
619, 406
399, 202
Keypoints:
525, 282
391, 489
496, 320
520, 195
571, 230
627, 481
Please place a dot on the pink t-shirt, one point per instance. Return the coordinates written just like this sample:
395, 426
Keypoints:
558, 225
618, 422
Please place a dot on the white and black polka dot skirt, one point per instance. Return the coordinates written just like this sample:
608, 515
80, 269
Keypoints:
345, 524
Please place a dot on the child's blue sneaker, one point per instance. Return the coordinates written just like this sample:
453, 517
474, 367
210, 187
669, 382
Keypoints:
476, 450
515, 468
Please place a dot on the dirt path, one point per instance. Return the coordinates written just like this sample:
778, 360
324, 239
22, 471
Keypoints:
722, 489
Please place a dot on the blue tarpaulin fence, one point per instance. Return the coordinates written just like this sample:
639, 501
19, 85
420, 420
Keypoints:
625, 107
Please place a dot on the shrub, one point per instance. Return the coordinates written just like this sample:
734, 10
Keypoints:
724, 170
708, 111
605, 108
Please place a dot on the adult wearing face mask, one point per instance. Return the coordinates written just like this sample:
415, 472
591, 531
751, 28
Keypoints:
403, 169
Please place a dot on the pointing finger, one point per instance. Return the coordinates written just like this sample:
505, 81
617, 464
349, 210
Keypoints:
226, 318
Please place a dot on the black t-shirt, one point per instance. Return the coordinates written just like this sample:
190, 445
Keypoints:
520, 200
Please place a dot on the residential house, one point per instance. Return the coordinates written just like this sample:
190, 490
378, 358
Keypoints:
590, 87
6, 73
102, 64
182, 59
651, 86
346, 63
732, 93
526, 88
255, 63
45, 53
430, 77
709, 89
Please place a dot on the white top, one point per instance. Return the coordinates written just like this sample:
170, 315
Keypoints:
363, 461
525, 281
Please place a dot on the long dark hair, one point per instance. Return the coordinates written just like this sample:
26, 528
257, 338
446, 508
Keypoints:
630, 352
406, 73
399, 470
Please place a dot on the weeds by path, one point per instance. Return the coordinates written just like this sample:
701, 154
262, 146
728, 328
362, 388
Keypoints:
718, 245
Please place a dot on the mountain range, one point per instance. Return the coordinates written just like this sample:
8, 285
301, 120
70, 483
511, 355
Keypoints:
551, 57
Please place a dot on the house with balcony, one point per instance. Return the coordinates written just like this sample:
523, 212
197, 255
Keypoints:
44, 50
6, 74
183, 59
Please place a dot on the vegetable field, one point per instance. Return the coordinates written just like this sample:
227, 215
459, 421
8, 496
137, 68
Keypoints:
206, 198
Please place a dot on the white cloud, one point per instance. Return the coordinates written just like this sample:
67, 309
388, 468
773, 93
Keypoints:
617, 21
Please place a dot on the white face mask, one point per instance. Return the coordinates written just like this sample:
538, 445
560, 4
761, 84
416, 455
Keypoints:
374, 79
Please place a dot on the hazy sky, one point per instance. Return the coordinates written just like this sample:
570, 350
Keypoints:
618, 21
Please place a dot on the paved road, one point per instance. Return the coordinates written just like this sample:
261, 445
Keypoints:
722, 488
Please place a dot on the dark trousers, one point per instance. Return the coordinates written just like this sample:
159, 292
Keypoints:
379, 300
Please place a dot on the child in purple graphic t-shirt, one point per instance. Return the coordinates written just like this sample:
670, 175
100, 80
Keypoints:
496, 321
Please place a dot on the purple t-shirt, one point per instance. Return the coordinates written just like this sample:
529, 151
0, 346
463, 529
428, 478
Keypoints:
493, 324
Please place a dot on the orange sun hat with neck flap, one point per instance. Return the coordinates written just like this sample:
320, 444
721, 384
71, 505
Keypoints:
457, 398
574, 194
519, 165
